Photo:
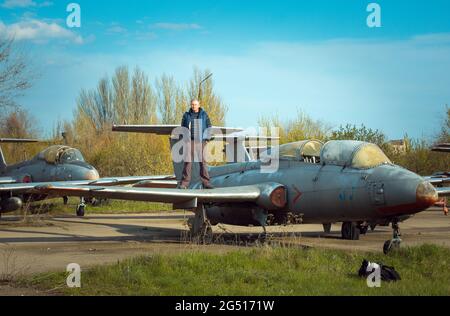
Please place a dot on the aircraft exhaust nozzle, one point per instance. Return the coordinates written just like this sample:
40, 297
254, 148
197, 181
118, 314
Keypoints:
426, 194
273, 196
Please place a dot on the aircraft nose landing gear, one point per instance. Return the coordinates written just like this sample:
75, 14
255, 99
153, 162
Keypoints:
81, 207
395, 242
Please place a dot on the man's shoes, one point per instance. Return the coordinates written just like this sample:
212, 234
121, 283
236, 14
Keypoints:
182, 187
208, 186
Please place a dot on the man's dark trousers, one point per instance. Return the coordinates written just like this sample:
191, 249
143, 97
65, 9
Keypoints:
196, 154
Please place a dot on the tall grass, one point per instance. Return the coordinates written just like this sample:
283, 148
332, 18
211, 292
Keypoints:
264, 271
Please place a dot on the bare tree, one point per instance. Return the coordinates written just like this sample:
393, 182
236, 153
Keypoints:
171, 100
142, 103
19, 123
15, 75
121, 86
97, 104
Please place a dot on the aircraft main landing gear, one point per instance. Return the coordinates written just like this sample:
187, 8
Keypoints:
200, 227
350, 231
81, 208
395, 242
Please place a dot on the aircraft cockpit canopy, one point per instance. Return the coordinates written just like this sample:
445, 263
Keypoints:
307, 151
354, 154
60, 154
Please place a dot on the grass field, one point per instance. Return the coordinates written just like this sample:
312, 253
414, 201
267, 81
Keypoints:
56, 207
261, 271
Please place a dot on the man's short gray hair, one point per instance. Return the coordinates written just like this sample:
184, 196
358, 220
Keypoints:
195, 100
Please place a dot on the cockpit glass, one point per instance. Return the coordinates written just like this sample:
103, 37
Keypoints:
369, 156
307, 151
289, 151
71, 155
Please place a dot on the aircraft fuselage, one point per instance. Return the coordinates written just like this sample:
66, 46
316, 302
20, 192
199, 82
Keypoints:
325, 193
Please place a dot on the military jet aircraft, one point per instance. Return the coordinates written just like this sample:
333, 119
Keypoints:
55, 163
340, 181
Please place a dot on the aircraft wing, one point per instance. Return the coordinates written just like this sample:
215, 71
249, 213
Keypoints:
443, 192
7, 180
437, 180
21, 188
129, 180
16, 141
268, 195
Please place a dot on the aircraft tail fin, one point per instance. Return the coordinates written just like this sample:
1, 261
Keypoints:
3, 163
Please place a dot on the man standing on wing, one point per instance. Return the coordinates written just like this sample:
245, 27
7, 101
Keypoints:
197, 121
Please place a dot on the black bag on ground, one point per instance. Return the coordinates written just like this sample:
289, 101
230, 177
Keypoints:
387, 273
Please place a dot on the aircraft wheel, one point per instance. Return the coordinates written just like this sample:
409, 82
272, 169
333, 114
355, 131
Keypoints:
327, 228
80, 210
350, 231
387, 247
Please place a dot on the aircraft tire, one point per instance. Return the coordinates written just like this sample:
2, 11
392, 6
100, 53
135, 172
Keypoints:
327, 228
387, 247
80, 210
350, 231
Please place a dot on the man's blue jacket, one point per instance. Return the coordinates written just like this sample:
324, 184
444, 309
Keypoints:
203, 116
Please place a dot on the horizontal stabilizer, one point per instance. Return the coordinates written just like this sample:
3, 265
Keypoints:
164, 129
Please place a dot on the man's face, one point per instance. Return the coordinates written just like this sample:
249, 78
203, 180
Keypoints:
195, 106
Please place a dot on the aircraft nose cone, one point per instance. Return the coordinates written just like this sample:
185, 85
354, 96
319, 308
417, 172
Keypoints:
426, 194
92, 175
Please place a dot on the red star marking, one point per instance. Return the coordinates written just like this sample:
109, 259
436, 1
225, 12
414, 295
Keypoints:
298, 195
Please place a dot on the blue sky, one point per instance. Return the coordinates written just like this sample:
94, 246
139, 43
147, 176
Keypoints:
268, 57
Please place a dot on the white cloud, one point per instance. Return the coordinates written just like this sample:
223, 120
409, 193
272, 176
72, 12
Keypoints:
11, 4
117, 29
177, 26
146, 36
38, 31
